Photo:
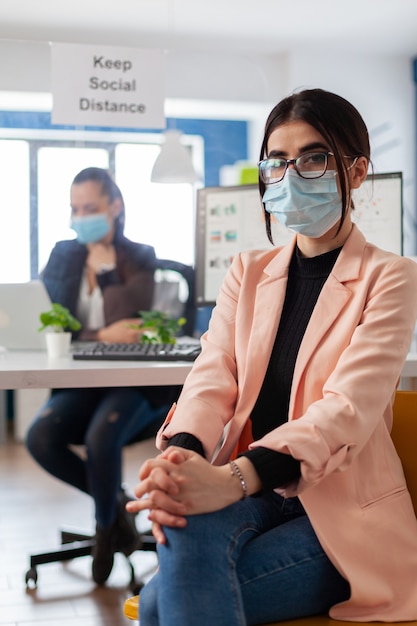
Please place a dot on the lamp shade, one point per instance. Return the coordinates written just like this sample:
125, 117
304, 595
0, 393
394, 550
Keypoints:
173, 164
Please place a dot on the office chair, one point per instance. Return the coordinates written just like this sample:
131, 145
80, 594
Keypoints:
404, 435
175, 292
174, 295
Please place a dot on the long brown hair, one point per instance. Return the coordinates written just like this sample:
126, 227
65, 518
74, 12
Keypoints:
338, 121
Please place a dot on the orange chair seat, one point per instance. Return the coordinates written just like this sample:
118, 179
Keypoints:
131, 607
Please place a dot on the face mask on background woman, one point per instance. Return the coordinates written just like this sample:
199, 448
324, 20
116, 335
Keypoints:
90, 228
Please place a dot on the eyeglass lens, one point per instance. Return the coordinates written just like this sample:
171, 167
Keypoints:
311, 165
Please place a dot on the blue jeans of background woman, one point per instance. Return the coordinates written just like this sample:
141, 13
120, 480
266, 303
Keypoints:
254, 562
104, 420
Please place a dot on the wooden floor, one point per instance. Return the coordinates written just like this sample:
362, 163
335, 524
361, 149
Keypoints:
33, 506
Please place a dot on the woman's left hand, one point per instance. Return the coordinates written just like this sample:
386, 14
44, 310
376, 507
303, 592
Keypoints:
180, 482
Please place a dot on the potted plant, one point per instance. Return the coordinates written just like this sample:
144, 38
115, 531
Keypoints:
158, 327
59, 323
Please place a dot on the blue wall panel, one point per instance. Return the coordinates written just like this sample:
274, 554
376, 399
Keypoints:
225, 141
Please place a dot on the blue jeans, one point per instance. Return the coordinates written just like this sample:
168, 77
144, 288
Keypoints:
255, 561
104, 420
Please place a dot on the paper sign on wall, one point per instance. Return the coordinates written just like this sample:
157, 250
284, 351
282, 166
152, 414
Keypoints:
94, 85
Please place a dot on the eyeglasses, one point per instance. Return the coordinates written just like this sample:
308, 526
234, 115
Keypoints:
309, 165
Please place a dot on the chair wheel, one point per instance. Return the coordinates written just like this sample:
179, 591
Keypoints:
31, 575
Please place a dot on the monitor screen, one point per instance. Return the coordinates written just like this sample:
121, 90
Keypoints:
231, 220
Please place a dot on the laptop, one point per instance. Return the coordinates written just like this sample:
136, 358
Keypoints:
20, 307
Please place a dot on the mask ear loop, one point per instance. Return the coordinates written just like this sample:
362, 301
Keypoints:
352, 204
354, 163
350, 166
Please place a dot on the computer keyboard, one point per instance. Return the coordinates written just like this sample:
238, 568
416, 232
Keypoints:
96, 351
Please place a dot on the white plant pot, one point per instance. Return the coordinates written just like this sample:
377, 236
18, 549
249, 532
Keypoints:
58, 344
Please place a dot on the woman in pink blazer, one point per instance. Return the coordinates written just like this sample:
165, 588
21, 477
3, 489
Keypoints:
300, 365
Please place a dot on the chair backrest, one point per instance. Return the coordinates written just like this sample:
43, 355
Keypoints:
404, 435
175, 292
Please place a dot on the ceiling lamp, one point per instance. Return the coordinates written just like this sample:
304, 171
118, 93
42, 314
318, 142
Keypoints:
173, 164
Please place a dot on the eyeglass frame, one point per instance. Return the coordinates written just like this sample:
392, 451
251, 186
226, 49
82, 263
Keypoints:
289, 162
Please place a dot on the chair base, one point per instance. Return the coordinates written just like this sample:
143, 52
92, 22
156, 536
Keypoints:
75, 544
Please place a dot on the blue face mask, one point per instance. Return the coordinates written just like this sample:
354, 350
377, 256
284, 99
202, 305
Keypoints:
90, 228
310, 207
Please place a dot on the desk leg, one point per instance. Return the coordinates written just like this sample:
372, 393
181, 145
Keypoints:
3, 417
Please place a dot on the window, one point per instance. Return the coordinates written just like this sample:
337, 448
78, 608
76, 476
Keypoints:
158, 214
36, 178
38, 162
15, 211
56, 168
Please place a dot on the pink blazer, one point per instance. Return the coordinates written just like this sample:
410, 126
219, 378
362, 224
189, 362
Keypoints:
340, 415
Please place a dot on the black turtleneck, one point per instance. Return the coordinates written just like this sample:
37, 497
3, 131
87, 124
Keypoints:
306, 277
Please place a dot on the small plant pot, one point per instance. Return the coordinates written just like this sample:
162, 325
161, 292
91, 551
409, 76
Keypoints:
58, 344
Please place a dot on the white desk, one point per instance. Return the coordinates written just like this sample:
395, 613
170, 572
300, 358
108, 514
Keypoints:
34, 370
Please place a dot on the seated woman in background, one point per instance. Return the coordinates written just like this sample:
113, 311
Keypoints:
301, 362
104, 280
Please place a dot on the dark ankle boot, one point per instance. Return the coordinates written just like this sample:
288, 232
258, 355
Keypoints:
103, 554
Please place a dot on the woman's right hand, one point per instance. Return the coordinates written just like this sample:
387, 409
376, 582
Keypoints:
169, 511
180, 482
121, 332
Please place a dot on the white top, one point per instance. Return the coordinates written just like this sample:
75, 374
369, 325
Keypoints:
90, 307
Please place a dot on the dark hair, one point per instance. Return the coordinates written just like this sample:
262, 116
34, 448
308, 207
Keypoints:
108, 188
338, 121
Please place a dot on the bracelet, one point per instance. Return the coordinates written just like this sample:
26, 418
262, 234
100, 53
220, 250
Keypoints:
235, 471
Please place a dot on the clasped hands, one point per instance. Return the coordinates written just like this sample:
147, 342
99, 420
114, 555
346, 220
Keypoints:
180, 482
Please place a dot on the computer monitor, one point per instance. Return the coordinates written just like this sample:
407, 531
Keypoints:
231, 220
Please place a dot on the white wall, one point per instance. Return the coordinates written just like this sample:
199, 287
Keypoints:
25, 66
239, 86
383, 90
